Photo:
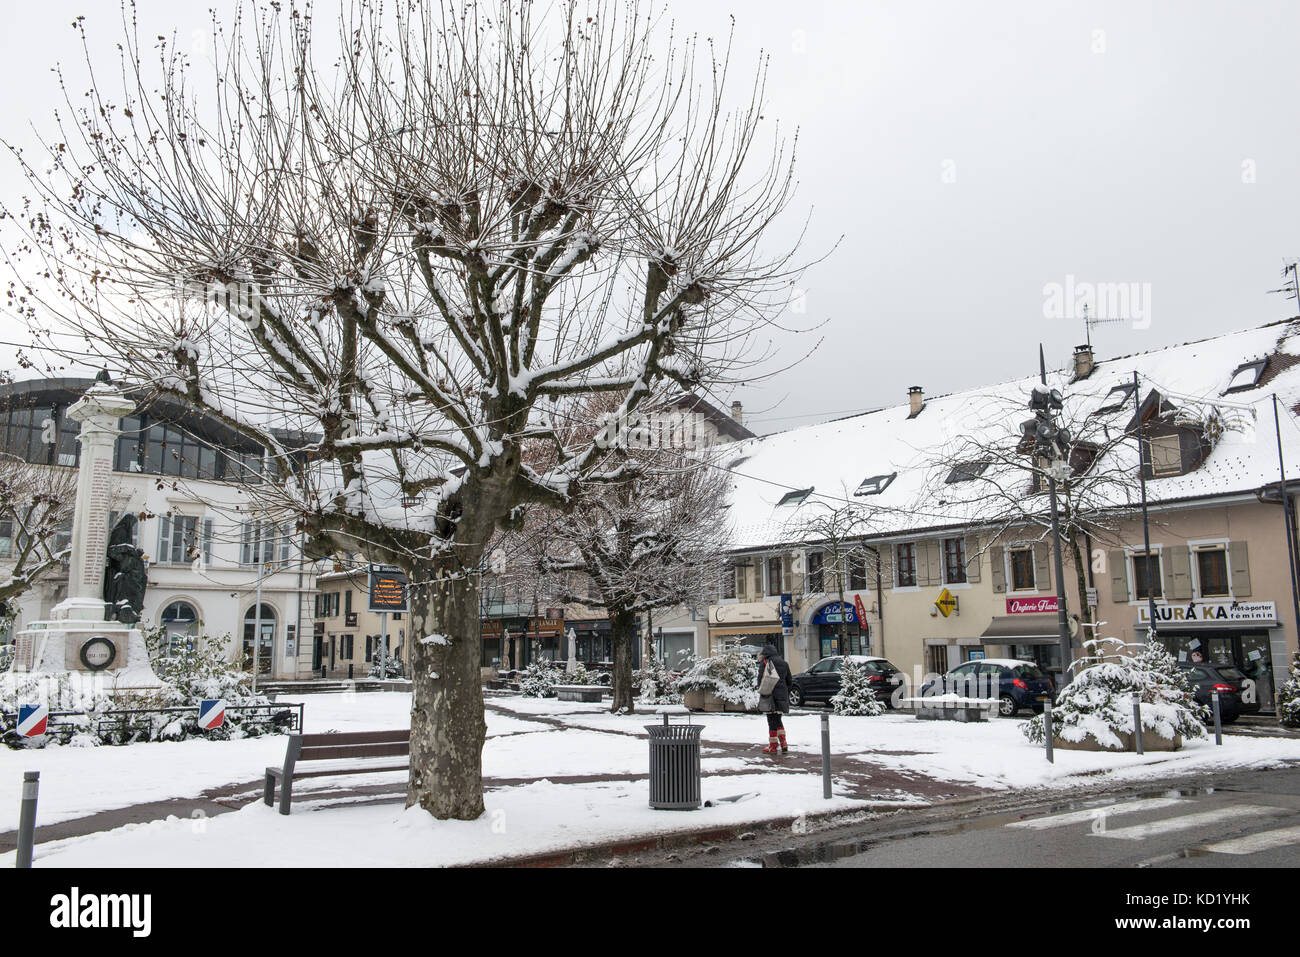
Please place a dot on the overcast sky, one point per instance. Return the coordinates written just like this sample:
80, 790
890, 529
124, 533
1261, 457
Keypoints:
970, 155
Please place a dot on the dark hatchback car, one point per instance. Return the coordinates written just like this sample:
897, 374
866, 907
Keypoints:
1016, 684
821, 682
1236, 691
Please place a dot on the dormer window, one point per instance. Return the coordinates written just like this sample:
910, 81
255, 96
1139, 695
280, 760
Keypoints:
1116, 399
794, 498
967, 471
1166, 454
1246, 376
875, 484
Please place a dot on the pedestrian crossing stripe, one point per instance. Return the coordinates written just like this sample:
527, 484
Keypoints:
1254, 843
1138, 832
1096, 813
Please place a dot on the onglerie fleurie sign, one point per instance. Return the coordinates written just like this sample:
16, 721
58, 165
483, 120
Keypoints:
1027, 606
387, 590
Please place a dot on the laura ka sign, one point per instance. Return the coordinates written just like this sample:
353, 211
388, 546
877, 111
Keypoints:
1028, 606
1204, 612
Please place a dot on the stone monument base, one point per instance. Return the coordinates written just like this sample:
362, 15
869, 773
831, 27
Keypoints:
105, 651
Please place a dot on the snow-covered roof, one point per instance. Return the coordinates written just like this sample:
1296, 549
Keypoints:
834, 458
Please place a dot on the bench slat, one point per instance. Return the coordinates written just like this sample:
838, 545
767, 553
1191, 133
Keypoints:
331, 772
355, 751
356, 737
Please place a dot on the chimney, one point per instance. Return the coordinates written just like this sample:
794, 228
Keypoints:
1083, 362
738, 413
916, 400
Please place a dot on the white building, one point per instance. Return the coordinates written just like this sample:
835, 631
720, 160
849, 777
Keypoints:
205, 543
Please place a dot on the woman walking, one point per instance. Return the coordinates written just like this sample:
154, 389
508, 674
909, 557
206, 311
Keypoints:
774, 696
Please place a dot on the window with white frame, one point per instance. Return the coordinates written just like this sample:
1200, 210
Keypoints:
264, 543
728, 576
1212, 571
905, 562
954, 560
1020, 558
816, 574
774, 575
178, 539
1147, 582
1166, 455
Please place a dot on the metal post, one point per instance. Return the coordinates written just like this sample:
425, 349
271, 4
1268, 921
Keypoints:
1146, 525
27, 819
1137, 724
257, 614
1287, 515
383, 645
1062, 621
1048, 733
826, 756
1218, 722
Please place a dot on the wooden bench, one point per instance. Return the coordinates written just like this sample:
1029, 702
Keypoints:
950, 707
579, 692
361, 745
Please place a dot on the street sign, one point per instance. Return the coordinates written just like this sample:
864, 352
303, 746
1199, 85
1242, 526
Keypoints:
946, 603
32, 720
212, 713
387, 590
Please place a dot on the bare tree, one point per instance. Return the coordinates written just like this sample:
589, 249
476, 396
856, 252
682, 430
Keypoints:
832, 535
36, 503
652, 540
409, 245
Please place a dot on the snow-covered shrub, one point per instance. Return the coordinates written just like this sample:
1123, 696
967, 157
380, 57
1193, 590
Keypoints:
6, 657
1288, 697
655, 684
1098, 703
581, 676
539, 680
732, 676
392, 667
855, 695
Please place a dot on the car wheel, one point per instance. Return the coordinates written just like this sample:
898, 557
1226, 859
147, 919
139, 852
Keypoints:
1228, 718
796, 697
1007, 706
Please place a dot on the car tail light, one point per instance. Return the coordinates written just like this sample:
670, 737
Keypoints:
1020, 684
1225, 689
875, 678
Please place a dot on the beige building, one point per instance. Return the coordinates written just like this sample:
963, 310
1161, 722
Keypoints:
347, 636
941, 574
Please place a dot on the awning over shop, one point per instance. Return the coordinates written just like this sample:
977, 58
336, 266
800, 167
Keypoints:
758, 628
1022, 630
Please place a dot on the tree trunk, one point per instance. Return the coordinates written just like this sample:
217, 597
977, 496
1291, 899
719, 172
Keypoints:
447, 723
622, 627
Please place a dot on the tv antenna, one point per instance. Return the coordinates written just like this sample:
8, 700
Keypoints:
1089, 321
1291, 291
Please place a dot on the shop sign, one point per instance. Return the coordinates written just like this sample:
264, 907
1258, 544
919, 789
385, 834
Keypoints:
859, 608
1030, 606
787, 615
833, 613
1210, 613
946, 603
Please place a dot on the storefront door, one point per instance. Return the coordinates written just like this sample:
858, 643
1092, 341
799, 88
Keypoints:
1248, 651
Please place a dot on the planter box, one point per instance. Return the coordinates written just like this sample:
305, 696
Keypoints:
707, 701
1150, 742
579, 692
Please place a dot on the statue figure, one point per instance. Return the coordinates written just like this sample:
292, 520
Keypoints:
124, 574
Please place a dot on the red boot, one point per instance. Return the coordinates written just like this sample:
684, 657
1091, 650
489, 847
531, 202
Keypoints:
781, 735
772, 745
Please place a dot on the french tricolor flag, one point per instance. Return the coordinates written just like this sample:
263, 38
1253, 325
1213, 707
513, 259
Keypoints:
32, 719
212, 712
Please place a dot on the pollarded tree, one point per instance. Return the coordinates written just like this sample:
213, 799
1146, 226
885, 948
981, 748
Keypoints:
407, 246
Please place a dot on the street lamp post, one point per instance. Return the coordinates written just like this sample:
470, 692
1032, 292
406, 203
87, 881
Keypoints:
1051, 444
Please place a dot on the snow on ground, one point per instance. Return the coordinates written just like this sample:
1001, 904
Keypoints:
539, 739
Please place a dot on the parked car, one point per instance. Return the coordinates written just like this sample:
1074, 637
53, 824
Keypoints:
821, 682
1231, 684
1016, 684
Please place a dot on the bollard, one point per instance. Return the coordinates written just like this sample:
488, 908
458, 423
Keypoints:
27, 819
826, 756
1137, 724
1047, 731
1218, 721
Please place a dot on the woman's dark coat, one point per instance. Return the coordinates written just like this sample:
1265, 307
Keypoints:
779, 699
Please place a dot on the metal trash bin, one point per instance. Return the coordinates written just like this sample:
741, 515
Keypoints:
674, 766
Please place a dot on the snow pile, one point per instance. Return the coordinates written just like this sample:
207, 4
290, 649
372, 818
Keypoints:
855, 696
1098, 703
732, 676
1288, 697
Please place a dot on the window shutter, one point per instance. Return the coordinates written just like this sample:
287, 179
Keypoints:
285, 543
164, 539
1118, 575
1043, 566
208, 525
1240, 569
245, 544
928, 571
787, 574
1177, 562
973, 559
760, 572
741, 573
999, 569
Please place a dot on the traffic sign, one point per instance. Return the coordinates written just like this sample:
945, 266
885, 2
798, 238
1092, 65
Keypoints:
946, 603
32, 720
212, 713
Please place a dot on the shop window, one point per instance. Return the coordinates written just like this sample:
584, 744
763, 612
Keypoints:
954, 561
1146, 576
816, 572
1022, 568
905, 560
1212, 572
